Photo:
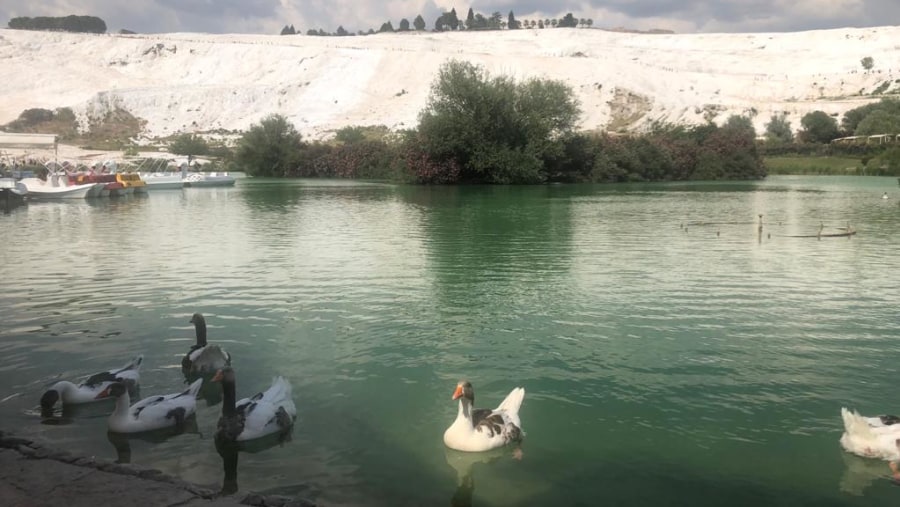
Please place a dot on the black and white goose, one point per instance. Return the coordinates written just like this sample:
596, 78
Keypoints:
203, 358
153, 412
476, 430
871, 437
89, 390
265, 413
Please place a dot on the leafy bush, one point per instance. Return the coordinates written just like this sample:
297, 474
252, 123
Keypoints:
269, 148
494, 129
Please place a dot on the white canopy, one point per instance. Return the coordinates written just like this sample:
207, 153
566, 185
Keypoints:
27, 141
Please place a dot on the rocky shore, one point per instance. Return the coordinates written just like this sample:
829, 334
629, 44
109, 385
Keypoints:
32, 475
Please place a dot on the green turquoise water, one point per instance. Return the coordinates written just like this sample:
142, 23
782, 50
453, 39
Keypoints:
671, 354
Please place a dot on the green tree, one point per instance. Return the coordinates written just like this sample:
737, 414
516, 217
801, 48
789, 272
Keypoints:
404, 25
779, 129
189, 145
494, 129
877, 122
341, 31
470, 19
419, 23
852, 118
818, 127
867, 63
269, 148
511, 22
386, 27
568, 21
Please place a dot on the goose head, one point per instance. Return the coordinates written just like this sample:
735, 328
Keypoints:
113, 390
464, 391
200, 327
225, 375
48, 400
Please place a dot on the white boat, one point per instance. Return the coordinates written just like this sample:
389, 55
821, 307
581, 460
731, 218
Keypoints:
209, 180
163, 181
57, 186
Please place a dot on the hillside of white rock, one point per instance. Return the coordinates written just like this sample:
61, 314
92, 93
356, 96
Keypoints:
190, 82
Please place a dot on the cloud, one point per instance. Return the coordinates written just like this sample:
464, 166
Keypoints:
269, 16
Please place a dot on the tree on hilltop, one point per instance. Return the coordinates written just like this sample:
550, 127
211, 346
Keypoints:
511, 23
419, 23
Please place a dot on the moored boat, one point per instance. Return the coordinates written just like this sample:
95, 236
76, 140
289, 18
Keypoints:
132, 183
12, 193
57, 186
163, 181
209, 180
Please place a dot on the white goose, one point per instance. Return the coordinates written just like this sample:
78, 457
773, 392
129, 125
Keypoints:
89, 390
203, 358
476, 430
152, 413
871, 437
265, 413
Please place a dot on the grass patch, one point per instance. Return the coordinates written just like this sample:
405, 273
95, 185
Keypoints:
814, 164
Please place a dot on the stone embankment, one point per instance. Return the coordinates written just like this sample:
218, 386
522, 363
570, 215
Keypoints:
32, 475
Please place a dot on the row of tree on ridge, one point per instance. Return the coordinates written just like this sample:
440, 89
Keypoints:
449, 21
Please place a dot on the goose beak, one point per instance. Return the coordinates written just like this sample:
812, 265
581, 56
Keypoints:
458, 393
103, 394
218, 376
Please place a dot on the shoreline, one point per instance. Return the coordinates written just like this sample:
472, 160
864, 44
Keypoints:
32, 474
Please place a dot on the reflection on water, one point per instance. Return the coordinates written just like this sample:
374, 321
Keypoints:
705, 363
121, 442
229, 451
463, 463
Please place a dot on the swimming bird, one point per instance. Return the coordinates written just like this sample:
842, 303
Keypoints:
153, 412
871, 437
203, 358
476, 430
269, 412
89, 390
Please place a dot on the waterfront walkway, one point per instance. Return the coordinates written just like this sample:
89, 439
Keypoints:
34, 476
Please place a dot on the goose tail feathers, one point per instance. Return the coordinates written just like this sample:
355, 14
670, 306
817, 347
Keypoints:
513, 401
855, 424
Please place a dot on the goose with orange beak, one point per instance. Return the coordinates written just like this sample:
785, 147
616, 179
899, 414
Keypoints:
476, 430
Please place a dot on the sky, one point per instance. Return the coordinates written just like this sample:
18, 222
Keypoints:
269, 16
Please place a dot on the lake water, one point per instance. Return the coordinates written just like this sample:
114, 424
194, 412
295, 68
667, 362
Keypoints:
671, 354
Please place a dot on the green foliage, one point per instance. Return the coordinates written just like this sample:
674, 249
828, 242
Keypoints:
818, 127
568, 21
350, 135
81, 24
888, 163
189, 145
880, 121
888, 107
813, 164
511, 22
778, 130
494, 129
269, 148
386, 27
419, 23
867, 63
404, 25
